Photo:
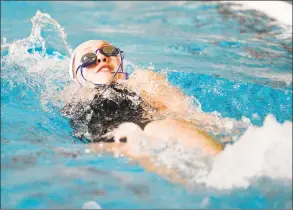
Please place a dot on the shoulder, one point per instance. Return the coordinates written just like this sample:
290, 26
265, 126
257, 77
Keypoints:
146, 75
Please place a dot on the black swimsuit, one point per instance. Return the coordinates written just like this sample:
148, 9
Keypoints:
108, 109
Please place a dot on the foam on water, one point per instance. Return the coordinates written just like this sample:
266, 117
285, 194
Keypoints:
260, 152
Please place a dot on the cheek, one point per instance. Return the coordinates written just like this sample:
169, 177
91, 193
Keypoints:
115, 62
91, 68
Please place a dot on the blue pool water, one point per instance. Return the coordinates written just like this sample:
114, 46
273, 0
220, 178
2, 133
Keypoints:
234, 64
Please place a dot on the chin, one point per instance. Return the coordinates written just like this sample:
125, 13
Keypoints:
102, 78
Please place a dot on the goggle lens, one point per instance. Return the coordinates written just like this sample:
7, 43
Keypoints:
110, 51
88, 59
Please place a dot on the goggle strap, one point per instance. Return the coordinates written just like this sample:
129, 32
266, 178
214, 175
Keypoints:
81, 71
122, 57
120, 66
76, 75
77, 69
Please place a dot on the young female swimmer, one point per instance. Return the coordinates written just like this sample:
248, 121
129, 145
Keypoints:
96, 66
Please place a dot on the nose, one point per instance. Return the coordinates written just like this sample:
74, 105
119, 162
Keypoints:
102, 59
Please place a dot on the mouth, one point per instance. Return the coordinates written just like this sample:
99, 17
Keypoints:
104, 68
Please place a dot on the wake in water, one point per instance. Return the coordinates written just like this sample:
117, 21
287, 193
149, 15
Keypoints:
40, 63
260, 152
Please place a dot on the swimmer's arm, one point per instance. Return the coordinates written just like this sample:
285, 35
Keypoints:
184, 132
156, 90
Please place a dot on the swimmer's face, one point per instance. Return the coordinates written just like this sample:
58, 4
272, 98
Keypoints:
102, 71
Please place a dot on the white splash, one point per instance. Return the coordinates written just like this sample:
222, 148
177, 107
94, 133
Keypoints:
260, 152
40, 22
39, 70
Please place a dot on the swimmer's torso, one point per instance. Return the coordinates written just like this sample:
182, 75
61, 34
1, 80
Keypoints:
106, 111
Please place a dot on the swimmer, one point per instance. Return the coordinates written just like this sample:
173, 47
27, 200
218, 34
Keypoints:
97, 66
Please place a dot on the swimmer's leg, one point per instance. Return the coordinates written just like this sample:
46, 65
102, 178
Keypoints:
185, 132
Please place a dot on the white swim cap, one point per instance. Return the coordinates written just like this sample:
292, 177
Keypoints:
71, 63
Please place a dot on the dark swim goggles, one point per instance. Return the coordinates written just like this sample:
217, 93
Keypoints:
91, 58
